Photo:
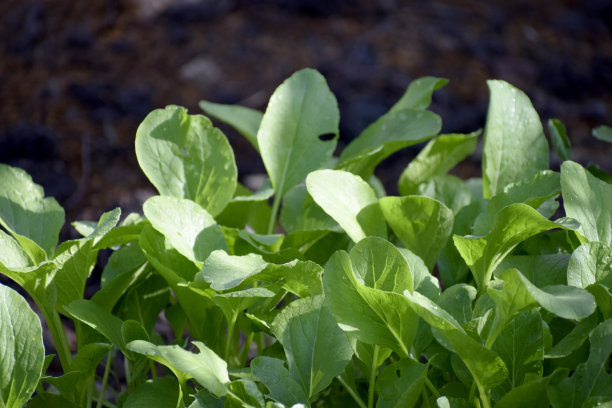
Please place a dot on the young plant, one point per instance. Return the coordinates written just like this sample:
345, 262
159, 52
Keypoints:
318, 289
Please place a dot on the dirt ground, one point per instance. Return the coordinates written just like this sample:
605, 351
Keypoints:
77, 77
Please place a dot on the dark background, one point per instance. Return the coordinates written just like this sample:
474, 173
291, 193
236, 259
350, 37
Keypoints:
77, 77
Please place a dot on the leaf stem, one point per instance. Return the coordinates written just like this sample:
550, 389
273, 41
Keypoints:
372, 377
352, 393
244, 353
54, 322
432, 388
273, 214
230, 336
109, 360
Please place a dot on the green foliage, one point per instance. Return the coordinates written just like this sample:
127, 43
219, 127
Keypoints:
457, 293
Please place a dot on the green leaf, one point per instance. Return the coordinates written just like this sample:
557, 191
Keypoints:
437, 158
300, 213
399, 385
99, 319
513, 224
349, 200
184, 156
590, 263
457, 301
534, 192
244, 120
368, 306
448, 189
232, 303
391, 132
187, 226
248, 393
300, 110
572, 341
283, 388
521, 346
75, 264
48, 400
33, 220
567, 302
22, 352
559, 139
422, 224
588, 200
541, 270
317, 349
419, 92
603, 133
160, 392
590, 379
225, 271
205, 367
532, 393
486, 366
515, 147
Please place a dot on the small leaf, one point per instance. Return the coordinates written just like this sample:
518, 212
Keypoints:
317, 349
457, 300
205, 367
391, 132
244, 120
486, 366
436, 158
22, 352
283, 388
448, 189
225, 271
421, 223
300, 213
368, 306
574, 339
513, 224
399, 385
590, 263
419, 93
99, 319
34, 221
530, 394
186, 225
515, 147
300, 110
184, 156
559, 139
604, 133
349, 200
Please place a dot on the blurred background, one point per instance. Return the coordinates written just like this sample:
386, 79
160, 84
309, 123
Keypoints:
77, 77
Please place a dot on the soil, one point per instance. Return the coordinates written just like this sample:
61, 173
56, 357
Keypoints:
78, 77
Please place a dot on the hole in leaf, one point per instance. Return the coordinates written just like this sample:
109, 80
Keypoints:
326, 136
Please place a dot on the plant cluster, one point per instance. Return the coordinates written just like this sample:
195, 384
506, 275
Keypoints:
318, 289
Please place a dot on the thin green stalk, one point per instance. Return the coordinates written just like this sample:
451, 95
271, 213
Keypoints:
484, 397
275, 207
352, 393
231, 324
109, 360
425, 398
59, 338
431, 387
372, 383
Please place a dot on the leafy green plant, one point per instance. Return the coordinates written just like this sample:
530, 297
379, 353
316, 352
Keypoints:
318, 289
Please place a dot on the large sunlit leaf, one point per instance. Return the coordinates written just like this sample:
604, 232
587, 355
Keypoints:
35, 221
589, 200
365, 296
301, 109
22, 352
515, 147
186, 225
349, 200
184, 156
421, 223
317, 349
